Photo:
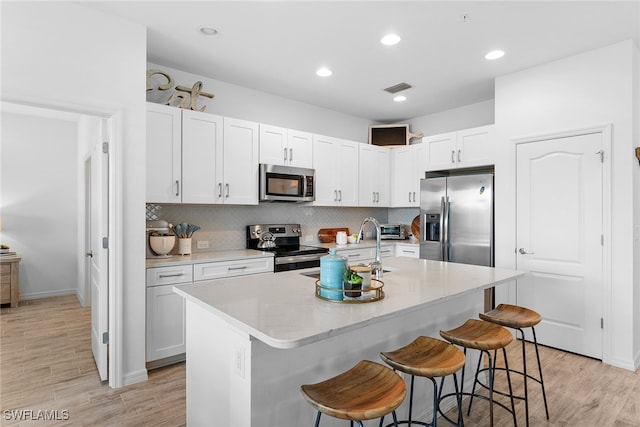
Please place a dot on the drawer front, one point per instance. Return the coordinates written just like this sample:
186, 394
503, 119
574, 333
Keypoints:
157, 276
408, 251
356, 255
221, 269
385, 251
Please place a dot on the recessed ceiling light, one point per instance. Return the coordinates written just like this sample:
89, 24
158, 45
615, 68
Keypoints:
209, 31
400, 98
494, 54
390, 39
324, 72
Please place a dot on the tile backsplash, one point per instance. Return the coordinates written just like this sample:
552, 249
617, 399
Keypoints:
224, 227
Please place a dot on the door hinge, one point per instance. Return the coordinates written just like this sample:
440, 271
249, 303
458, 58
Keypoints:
105, 147
105, 338
601, 323
105, 243
602, 240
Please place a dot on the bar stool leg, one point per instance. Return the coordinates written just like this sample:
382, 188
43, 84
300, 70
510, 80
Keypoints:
544, 394
506, 366
318, 419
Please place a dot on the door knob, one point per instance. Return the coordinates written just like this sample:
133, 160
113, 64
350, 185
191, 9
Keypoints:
523, 251
89, 254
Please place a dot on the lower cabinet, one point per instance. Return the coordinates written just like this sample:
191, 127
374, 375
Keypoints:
166, 309
365, 254
409, 251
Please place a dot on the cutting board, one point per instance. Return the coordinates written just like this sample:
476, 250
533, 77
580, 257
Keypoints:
328, 235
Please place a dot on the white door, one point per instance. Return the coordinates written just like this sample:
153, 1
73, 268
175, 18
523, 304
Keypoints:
99, 260
559, 239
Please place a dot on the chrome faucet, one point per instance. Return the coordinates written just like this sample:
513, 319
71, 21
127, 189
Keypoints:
376, 266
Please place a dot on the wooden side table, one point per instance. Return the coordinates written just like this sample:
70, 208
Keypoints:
9, 279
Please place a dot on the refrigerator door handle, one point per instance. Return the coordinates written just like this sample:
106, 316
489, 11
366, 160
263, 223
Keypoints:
447, 208
443, 230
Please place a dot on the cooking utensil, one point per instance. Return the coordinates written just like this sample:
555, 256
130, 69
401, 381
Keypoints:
184, 230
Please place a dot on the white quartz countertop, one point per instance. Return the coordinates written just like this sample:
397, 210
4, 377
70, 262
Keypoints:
200, 257
281, 309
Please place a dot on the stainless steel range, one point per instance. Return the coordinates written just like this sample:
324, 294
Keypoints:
284, 241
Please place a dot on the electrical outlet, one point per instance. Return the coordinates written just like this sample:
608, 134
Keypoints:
203, 244
308, 238
238, 361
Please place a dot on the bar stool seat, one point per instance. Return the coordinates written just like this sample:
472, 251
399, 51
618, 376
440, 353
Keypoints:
518, 318
431, 358
368, 390
483, 336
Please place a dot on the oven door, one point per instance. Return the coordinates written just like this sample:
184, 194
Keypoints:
286, 184
297, 262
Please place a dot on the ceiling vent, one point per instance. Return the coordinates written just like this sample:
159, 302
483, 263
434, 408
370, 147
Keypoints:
398, 88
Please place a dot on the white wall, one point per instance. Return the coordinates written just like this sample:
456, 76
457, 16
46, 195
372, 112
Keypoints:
468, 116
65, 54
39, 197
243, 103
593, 88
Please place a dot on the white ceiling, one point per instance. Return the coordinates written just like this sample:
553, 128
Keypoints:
276, 47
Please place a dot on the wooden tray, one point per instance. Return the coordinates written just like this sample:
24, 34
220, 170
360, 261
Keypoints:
328, 235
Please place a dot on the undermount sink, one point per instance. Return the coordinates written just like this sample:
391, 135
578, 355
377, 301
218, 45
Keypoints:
316, 274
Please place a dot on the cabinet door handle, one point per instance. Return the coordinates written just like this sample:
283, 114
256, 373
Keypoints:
353, 255
409, 196
244, 267
285, 154
340, 195
226, 186
453, 156
291, 154
335, 195
459, 157
414, 196
373, 196
177, 187
163, 276
219, 189
378, 197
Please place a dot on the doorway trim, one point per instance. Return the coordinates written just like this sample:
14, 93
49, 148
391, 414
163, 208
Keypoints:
115, 254
605, 131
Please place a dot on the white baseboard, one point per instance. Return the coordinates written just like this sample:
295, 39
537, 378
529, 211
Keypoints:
135, 377
47, 294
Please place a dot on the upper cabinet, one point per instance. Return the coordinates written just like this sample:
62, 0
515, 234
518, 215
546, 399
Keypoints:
336, 163
408, 166
239, 177
196, 157
374, 176
465, 148
164, 154
287, 147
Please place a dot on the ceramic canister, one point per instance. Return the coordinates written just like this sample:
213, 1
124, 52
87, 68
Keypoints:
332, 269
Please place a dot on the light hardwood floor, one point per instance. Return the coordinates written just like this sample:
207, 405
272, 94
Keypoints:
46, 364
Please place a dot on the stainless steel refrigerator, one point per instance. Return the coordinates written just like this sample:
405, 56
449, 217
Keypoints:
456, 218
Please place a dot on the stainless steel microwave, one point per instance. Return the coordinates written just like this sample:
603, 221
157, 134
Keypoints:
286, 184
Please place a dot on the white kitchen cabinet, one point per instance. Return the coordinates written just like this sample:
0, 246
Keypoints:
196, 157
465, 148
165, 312
164, 158
287, 147
202, 142
407, 250
336, 163
222, 269
237, 176
408, 166
367, 254
374, 178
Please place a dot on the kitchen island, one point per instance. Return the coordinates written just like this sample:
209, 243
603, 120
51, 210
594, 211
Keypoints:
252, 341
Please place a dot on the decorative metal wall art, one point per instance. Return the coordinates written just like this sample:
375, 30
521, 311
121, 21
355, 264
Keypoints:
184, 97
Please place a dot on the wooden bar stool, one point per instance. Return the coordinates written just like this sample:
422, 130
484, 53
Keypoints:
483, 336
368, 390
518, 318
431, 358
